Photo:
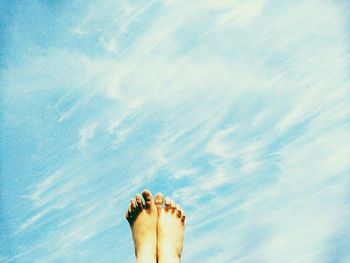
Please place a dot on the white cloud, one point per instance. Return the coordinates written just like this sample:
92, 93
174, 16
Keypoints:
87, 133
110, 45
216, 116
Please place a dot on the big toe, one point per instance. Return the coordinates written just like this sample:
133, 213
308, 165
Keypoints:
158, 200
147, 195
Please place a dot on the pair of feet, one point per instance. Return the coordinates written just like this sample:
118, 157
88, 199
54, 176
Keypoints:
157, 227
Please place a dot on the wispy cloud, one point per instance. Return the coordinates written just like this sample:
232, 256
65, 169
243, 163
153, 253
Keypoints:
236, 110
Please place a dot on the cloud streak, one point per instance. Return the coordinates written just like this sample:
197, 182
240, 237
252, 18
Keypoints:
237, 110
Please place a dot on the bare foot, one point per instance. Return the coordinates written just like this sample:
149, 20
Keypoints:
171, 225
142, 218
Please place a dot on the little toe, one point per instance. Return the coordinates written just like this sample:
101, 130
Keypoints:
167, 204
158, 200
183, 216
128, 217
148, 199
128, 214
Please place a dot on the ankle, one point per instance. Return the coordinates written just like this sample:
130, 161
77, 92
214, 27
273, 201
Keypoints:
146, 258
168, 258
146, 255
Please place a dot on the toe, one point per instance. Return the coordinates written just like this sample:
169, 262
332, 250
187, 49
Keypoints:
148, 199
172, 206
167, 204
158, 200
133, 205
130, 217
178, 211
128, 214
183, 216
139, 201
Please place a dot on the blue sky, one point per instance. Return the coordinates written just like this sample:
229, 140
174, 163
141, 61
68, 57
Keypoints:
238, 110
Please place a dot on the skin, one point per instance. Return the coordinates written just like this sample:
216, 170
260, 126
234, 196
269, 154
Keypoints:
157, 226
171, 226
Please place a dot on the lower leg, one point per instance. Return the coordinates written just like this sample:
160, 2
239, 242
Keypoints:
142, 218
171, 225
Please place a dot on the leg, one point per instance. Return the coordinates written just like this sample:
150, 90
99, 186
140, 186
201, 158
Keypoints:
171, 226
142, 218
